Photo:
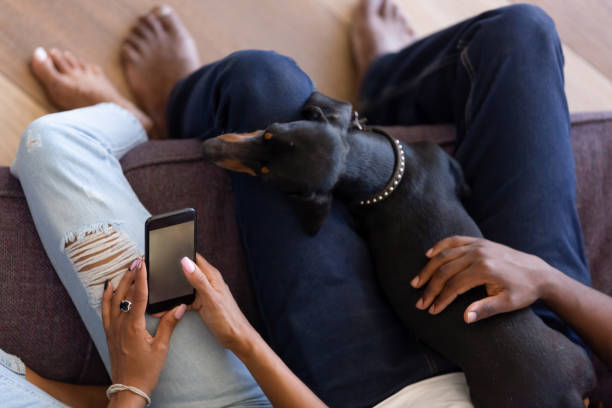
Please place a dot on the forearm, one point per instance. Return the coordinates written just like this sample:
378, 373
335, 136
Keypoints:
282, 387
587, 310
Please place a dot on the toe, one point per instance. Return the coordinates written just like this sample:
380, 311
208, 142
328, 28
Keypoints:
60, 61
152, 22
370, 7
168, 18
129, 54
135, 41
44, 68
81, 64
71, 59
395, 13
387, 8
142, 30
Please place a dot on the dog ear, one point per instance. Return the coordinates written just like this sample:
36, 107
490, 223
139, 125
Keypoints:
312, 210
461, 187
323, 108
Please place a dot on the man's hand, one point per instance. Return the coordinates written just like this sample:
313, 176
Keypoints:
513, 279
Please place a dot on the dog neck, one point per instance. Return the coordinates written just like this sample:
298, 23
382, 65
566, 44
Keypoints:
369, 166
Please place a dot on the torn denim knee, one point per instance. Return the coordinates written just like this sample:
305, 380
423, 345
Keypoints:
99, 253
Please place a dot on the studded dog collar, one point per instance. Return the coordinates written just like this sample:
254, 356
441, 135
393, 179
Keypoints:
400, 163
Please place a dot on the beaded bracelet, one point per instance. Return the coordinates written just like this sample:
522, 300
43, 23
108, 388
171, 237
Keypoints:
115, 388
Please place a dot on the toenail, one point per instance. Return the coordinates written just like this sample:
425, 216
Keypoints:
40, 54
165, 10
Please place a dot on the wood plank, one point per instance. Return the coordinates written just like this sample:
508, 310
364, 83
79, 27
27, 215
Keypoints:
313, 32
94, 30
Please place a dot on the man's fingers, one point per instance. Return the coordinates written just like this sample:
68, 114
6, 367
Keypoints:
458, 285
450, 242
195, 276
167, 325
436, 262
439, 279
487, 307
107, 296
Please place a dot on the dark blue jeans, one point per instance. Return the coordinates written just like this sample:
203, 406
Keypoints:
499, 78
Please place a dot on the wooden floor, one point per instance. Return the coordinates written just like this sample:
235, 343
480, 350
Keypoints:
314, 32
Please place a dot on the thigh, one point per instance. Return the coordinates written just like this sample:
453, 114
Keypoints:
16, 391
91, 224
322, 310
499, 78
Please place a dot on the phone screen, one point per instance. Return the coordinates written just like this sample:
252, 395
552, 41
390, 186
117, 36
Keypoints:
167, 246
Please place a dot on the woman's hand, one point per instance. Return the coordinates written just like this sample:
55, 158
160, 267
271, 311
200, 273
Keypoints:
136, 357
217, 307
226, 321
513, 279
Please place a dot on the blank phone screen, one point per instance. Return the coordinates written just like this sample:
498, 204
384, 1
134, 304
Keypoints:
167, 246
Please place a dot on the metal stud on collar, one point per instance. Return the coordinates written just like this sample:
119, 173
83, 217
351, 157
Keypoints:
398, 172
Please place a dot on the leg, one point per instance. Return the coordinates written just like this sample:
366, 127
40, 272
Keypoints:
321, 306
499, 78
16, 391
91, 225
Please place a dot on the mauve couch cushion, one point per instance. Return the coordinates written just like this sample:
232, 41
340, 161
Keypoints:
39, 323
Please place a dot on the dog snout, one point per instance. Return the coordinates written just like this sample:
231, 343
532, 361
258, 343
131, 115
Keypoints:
237, 152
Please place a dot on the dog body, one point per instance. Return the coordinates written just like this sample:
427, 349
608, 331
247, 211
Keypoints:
510, 360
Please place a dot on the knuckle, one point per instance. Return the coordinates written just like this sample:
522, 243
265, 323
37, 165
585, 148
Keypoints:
161, 346
487, 309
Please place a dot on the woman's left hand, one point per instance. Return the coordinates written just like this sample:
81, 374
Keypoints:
136, 357
513, 279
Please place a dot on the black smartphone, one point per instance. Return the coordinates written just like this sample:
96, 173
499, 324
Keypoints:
168, 238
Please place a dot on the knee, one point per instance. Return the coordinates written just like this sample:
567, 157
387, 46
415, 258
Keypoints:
41, 142
266, 84
527, 28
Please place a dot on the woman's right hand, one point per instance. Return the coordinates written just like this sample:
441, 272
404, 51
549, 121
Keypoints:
226, 321
217, 307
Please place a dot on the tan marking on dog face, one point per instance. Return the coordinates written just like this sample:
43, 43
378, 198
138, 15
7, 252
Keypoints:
235, 165
265, 170
268, 136
238, 137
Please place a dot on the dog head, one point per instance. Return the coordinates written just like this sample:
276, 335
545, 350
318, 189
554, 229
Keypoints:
305, 159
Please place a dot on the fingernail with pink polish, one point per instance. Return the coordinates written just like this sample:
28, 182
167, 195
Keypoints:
188, 265
136, 264
471, 317
429, 252
415, 281
178, 314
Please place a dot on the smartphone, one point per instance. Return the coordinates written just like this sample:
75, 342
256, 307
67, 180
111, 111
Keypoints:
168, 238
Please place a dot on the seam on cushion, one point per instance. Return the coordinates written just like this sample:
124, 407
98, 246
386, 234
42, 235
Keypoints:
575, 120
173, 160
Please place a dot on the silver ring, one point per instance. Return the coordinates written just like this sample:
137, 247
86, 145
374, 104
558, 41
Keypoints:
125, 305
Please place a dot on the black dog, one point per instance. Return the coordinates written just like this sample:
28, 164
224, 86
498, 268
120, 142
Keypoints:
405, 206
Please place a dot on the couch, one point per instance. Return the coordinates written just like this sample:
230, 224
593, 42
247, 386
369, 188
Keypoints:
39, 323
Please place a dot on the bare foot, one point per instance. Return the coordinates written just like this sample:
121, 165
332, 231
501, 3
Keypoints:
378, 28
72, 83
158, 52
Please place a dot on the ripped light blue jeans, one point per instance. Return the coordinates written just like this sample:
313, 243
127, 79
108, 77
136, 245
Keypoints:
86, 213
